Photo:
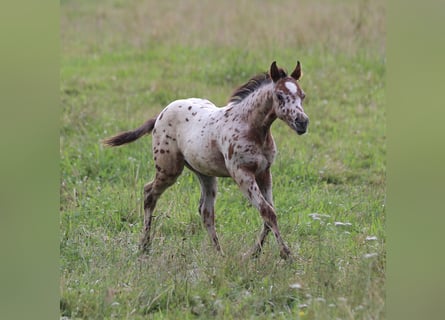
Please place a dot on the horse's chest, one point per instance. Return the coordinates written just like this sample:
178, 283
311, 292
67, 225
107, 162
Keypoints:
257, 155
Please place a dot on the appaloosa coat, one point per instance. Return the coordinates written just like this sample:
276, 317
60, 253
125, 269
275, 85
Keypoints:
232, 141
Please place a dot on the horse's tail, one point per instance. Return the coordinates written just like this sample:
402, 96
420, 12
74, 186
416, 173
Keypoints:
130, 136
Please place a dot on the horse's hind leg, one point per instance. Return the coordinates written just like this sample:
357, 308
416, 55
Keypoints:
207, 206
149, 205
166, 174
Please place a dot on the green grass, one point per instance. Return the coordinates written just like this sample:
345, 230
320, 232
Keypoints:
122, 62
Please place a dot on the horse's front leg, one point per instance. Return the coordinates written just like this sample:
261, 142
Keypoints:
246, 181
264, 181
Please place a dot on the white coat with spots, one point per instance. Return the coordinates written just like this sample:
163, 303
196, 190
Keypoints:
232, 141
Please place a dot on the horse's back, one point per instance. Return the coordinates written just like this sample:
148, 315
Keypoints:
188, 127
184, 110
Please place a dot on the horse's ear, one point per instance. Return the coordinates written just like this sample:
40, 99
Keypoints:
275, 73
297, 73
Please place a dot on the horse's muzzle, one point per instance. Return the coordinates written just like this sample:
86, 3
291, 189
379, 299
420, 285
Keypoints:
301, 126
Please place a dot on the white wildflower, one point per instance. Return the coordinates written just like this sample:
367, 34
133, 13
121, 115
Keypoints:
295, 286
318, 216
338, 223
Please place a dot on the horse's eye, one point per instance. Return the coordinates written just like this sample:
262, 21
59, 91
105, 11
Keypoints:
280, 98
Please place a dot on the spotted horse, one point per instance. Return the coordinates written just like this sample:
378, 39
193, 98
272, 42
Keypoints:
232, 141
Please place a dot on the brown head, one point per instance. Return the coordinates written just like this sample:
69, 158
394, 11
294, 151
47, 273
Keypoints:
288, 97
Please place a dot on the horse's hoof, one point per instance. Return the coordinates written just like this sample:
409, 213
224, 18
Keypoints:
255, 252
144, 248
219, 252
285, 253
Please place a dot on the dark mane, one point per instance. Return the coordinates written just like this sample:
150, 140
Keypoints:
250, 86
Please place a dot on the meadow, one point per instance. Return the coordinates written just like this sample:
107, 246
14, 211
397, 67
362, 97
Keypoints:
122, 62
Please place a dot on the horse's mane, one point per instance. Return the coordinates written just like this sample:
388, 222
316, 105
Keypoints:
250, 86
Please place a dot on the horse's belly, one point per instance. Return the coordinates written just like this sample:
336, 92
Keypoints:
208, 163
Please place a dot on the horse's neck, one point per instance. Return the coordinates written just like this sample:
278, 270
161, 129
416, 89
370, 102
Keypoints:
257, 108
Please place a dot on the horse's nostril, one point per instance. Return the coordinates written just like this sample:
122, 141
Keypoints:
302, 118
301, 125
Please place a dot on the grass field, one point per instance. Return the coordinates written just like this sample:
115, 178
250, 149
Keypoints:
123, 61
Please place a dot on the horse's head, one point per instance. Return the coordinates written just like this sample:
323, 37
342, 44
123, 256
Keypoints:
288, 97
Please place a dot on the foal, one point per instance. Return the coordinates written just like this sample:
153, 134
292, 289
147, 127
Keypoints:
232, 141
